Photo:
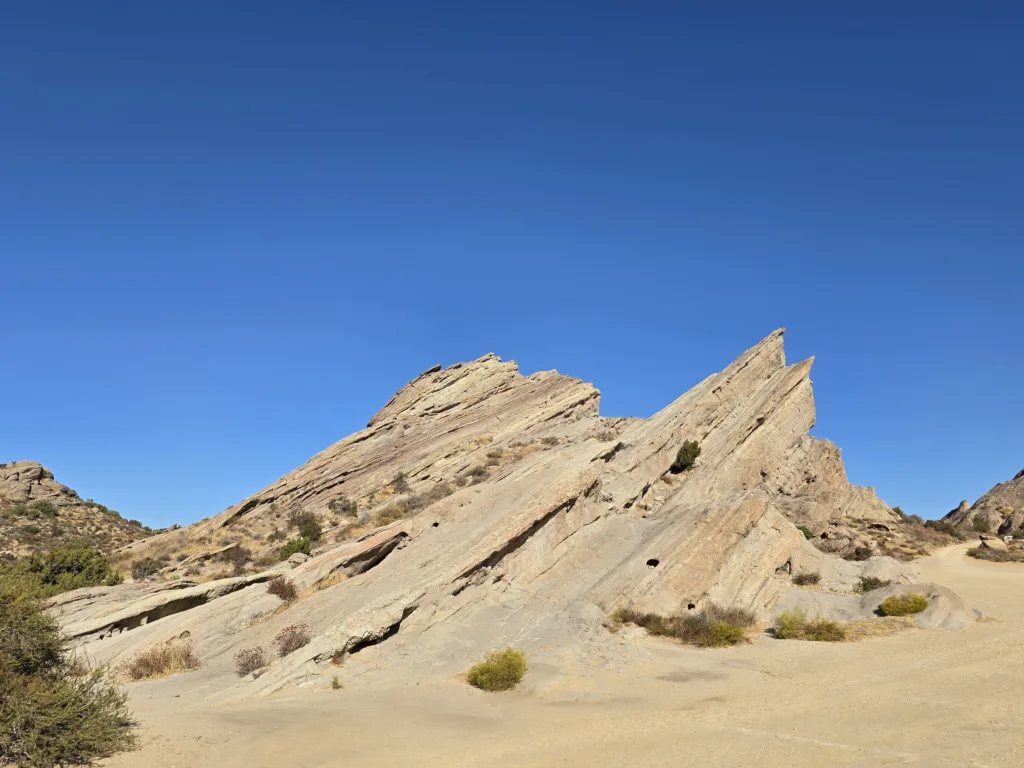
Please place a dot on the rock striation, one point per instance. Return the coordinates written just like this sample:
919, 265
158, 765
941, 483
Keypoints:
1001, 510
535, 517
37, 513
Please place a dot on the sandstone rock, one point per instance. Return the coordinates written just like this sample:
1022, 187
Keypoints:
990, 542
1002, 508
569, 516
298, 558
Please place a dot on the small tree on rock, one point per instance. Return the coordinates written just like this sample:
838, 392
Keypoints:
686, 457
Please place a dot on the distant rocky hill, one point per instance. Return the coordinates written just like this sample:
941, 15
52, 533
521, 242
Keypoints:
1001, 510
38, 514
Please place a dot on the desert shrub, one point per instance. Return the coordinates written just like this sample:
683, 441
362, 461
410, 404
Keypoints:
711, 627
495, 453
291, 638
62, 570
336, 683
945, 527
903, 605
550, 440
806, 579
143, 569
307, 524
438, 492
997, 555
31, 530
343, 505
980, 525
300, 544
162, 660
686, 457
500, 671
283, 588
899, 511
400, 484
476, 473
250, 660
807, 532
793, 625
35, 510
858, 554
53, 711
869, 583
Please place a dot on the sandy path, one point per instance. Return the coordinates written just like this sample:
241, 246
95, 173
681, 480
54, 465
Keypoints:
930, 698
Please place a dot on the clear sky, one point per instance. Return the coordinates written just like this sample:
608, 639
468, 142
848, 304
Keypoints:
229, 231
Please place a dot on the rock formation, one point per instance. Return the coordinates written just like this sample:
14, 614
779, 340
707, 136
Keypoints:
1001, 510
37, 514
527, 519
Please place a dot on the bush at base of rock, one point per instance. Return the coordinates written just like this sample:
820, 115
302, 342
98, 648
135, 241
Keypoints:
143, 569
291, 638
686, 457
162, 660
794, 625
250, 660
806, 579
500, 671
283, 588
903, 605
710, 627
300, 544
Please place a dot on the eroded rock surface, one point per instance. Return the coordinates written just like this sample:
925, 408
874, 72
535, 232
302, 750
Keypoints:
1001, 510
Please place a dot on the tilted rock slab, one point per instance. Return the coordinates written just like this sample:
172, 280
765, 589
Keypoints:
540, 552
1002, 508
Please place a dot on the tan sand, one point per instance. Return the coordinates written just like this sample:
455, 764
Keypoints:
928, 698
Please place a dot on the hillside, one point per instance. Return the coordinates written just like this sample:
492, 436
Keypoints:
1001, 510
38, 514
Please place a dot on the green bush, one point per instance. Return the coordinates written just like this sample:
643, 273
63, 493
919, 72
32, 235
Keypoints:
807, 532
500, 671
300, 544
944, 527
52, 711
793, 625
686, 457
710, 627
343, 505
806, 579
35, 510
61, 570
903, 605
144, 568
307, 524
980, 525
870, 583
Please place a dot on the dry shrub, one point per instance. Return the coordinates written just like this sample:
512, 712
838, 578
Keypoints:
162, 660
248, 661
794, 625
711, 627
283, 588
870, 583
903, 605
291, 638
806, 579
997, 555
500, 671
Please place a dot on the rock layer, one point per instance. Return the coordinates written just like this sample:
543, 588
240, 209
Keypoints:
1001, 510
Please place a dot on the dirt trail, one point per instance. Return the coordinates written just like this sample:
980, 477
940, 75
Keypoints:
928, 698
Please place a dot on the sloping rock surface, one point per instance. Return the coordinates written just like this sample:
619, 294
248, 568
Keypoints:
570, 516
1001, 509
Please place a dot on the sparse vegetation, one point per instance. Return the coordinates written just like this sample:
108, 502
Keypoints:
500, 671
300, 544
248, 661
35, 510
283, 588
162, 660
871, 583
1014, 555
980, 525
343, 505
291, 638
794, 625
400, 484
409, 506
477, 473
686, 457
53, 711
806, 579
944, 527
903, 605
807, 532
336, 683
710, 627
143, 569
308, 525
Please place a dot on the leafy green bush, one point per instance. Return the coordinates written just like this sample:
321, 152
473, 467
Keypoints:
711, 627
869, 583
793, 625
807, 532
903, 605
686, 457
944, 527
307, 524
61, 570
300, 544
500, 671
52, 711
35, 510
980, 525
144, 568
806, 579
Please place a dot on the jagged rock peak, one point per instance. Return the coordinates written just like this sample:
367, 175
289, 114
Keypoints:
1001, 509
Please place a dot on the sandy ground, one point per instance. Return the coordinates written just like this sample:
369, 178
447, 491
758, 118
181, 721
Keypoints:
928, 698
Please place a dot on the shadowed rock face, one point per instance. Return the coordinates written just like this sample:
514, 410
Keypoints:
1002, 508
576, 515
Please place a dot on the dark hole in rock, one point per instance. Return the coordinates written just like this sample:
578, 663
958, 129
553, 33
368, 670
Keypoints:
433, 525
690, 606
653, 562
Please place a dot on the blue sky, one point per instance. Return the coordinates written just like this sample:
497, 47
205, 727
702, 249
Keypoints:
228, 232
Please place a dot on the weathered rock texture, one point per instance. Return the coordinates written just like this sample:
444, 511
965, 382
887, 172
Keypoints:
567, 516
1001, 509
62, 518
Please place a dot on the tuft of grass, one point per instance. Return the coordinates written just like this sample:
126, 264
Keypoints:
336, 683
870, 583
162, 660
806, 579
500, 671
712, 627
292, 638
283, 588
794, 625
903, 605
807, 532
249, 661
